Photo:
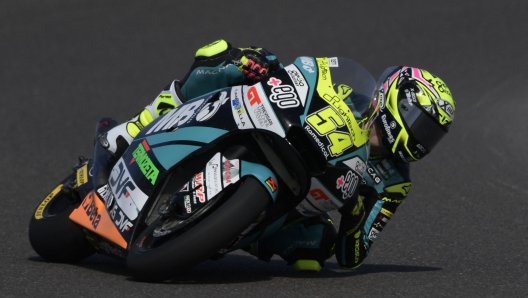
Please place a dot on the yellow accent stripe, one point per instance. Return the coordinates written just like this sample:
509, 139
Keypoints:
145, 117
386, 212
132, 129
326, 91
212, 49
47, 199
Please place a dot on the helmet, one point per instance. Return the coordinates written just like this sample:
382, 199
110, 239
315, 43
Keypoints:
416, 111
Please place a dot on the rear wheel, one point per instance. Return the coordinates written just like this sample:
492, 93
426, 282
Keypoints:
156, 257
52, 234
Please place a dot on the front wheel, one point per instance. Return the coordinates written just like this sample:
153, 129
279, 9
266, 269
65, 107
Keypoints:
51, 232
158, 258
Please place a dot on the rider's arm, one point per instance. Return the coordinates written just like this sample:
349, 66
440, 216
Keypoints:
385, 187
216, 66
118, 138
219, 65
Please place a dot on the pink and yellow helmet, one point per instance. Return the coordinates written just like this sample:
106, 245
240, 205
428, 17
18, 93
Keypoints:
416, 111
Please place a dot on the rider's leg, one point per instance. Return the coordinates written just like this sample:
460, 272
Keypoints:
304, 244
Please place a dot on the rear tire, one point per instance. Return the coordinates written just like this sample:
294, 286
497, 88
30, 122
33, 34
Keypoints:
51, 232
217, 230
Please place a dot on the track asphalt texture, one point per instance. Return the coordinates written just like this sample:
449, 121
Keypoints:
461, 232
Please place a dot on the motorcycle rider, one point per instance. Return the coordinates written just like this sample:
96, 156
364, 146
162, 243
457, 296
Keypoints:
416, 112
399, 136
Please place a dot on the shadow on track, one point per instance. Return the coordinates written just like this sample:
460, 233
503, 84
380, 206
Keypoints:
237, 268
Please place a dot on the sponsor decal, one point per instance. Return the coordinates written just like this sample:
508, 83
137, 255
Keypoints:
187, 203
386, 212
388, 127
319, 143
40, 209
373, 234
253, 96
147, 167
308, 64
260, 110
333, 62
356, 247
270, 182
326, 122
105, 194
390, 200
120, 220
347, 184
82, 175
318, 194
356, 164
210, 109
321, 199
239, 112
213, 176
373, 175
421, 148
210, 70
91, 211
128, 196
198, 187
230, 171
299, 82
178, 116
283, 95
446, 107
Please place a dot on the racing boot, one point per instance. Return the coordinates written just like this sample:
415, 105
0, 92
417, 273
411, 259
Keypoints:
360, 226
304, 243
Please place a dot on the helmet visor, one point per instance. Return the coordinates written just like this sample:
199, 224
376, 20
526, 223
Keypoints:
422, 127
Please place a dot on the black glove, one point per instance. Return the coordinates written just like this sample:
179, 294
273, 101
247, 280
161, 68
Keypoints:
256, 63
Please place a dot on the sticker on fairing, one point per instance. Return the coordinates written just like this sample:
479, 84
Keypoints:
260, 110
82, 175
178, 116
210, 109
128, 195
318, 200
198, 187
230, 171
213, 176
240, 114
299, 82
356, 164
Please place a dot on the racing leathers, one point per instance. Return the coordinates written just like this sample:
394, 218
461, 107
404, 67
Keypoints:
386, 183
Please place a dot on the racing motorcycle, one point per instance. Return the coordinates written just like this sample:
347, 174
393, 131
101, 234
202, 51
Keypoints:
216, 173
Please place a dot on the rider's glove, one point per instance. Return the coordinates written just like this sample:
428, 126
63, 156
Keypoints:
256, 63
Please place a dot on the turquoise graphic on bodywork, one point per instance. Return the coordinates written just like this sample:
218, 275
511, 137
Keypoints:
167, 150
308, 67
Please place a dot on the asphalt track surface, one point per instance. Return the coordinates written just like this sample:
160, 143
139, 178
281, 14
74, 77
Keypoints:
461, 232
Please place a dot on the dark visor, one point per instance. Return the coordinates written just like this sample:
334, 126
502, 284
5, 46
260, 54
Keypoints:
421, 125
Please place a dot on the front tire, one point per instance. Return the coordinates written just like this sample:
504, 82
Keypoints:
51, 232
222, 226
